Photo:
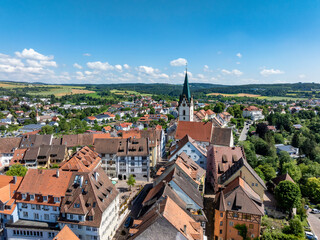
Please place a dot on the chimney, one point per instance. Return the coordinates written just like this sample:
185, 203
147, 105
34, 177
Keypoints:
240, 174
57, 173
14, 180
185, 229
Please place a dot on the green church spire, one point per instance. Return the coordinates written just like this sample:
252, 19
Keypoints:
186, 89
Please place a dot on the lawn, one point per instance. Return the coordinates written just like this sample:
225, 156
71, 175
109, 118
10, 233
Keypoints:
60, 91
279, 98
126, 92
234, 95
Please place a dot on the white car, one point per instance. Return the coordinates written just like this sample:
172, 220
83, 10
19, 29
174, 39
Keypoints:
315, 210
310, 235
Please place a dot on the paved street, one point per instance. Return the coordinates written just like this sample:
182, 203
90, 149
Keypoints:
244, 133
314, 222
122, 232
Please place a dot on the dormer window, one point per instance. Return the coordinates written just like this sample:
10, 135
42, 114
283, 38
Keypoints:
76, 205
24, 196
31, 197
56, 199
45, 198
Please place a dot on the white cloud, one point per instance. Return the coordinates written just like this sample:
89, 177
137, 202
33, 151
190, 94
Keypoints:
40, 64
88, 72
201, 76
7, 60
267, 72
178, 62
206, 68
32, 54
237, 62
235, 72
76, 65
302, 76
49, 63
239, 55
146, 69
126, 66
87, 54
100, 66
118, 67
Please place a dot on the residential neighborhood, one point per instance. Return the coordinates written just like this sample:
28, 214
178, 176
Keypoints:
153, 171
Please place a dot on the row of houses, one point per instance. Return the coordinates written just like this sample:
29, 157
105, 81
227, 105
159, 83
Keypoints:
78, 195
135, 152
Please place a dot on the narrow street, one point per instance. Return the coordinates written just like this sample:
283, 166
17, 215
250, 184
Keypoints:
244, 132
314, 223
136, 205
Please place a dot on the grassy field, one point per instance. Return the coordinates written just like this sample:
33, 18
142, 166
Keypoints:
12, 85
122, 92
57, 90
234, 95
276, 98
269, 98
60, 91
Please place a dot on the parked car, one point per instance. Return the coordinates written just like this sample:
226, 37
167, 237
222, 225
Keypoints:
128, 222
315, 211
311, 236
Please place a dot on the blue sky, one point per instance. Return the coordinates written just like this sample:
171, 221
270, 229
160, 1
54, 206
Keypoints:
118, 41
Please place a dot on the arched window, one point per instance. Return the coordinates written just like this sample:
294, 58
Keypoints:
184, 112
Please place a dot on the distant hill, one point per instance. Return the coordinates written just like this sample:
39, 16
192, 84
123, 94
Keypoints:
199, 90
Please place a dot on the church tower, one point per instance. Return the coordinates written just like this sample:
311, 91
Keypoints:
185, 107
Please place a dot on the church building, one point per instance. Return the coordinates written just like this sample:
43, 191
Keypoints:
185, 107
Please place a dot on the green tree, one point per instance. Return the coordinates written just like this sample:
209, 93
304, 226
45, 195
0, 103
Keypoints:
278, 138
243, 231
262, 129
47, 129
131, 181
152, 111
296, 140
219, 107
312, 189
268, 171
293, 170
288, 195
17, 170
117, 117
295, 227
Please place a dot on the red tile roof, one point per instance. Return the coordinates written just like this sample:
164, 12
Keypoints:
85, 160
199, 131
66, 234
44, 183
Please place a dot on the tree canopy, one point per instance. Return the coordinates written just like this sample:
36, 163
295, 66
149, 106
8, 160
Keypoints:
17, 170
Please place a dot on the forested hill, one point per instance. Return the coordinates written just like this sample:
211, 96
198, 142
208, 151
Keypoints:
200, 89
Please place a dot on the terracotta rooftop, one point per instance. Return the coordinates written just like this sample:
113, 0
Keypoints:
88, 194
169, 211
66, 234
7, 145
199, 131
238, 197
220, 159
204, 132
281, 178
44, 183
85, 160
18, 156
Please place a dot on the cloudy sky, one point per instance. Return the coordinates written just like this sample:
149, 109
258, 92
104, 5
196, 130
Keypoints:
147, 41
